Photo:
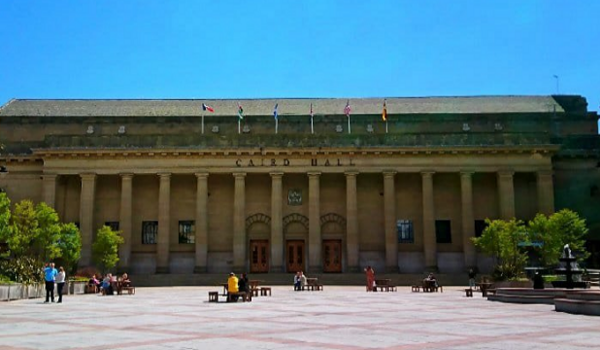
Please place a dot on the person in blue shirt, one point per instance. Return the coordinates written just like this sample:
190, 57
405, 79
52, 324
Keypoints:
50, 275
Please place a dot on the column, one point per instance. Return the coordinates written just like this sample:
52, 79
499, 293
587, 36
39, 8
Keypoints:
49, 188
239, 229
468, 222
125, 221
545, 192
86, 217
351, 222
201, 223
164, 221
276, 223
314, 223
389, 213
429, 238
506, 194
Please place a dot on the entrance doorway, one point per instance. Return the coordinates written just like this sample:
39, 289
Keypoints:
332, 255
259, 256
295, 256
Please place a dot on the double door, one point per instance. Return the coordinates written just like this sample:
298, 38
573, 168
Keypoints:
332, 255
294, 250
259, 256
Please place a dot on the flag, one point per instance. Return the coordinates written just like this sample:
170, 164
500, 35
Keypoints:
384, 113
240, 111
311, 111
206, 107
275, 114
347, 109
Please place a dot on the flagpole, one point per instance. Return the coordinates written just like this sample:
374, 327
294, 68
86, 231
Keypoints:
276, 125
349, 127
239, 125
312, 125
386, 126
203, 122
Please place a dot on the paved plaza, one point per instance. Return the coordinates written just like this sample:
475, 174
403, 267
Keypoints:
336, 318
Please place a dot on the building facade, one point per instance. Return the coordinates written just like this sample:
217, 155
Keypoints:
196, 191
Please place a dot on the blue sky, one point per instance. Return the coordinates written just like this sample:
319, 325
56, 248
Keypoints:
316, 48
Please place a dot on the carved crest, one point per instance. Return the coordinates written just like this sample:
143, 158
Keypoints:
295, 197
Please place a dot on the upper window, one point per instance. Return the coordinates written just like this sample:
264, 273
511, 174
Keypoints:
149, 232
443, 233
187, 232
405, 231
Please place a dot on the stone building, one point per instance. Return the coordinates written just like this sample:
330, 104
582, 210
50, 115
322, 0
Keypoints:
213, 192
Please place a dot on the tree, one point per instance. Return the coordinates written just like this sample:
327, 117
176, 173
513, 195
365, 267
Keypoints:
501, 239
48, 233
69, 245
106, 248
24, 229
563, 227
5, 217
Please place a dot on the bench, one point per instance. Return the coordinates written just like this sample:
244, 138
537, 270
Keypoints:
265, 290
254, 291
416, 288
130, 290
213, 297
469, 292
244, 297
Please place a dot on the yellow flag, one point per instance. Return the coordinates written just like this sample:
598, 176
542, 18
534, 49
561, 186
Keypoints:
384, 113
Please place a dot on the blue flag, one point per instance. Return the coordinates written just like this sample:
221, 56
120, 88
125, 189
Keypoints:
275, 114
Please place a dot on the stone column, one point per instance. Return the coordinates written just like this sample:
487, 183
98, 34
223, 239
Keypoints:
49, 188
389, 213
164, 223
86, 217
239, 227
545, 192
125, 221
314, 223
201, 223
276, 223
351, 222
429, 237
468, 222
506, 194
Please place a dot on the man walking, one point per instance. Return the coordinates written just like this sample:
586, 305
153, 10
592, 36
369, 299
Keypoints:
50, 275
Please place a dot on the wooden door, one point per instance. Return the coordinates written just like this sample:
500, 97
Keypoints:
332, 255
295, 256
259, 256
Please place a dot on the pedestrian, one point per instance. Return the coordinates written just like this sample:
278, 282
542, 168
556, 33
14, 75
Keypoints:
472, 275
370, 279
49, 276
60, 282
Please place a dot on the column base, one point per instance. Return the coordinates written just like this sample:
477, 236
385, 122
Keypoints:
392, 269
162, 269
354, 269
200, 269
276, 269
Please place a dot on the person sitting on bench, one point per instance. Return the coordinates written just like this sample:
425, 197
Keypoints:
297, 282
243, 285
232, 287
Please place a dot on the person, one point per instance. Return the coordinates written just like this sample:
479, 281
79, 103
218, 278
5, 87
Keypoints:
107, 285
370, 279
60, 282
243, 285
232, 287
94, 282
50, 276
431, 281
125, 281
472, 275
538, 281
297, 281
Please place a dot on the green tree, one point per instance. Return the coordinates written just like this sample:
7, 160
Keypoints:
48, 233
563, 227
5, 217
69, 244
24, 229
501, 239
106, 248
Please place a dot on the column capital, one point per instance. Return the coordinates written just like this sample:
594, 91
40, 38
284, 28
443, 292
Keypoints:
49, 176
466, 173
276, 174
164, 175
505, 173
126, 175
239, 175
427, 173
544, 172
313, 173
389, 173
88, 176
351, 173
201, 175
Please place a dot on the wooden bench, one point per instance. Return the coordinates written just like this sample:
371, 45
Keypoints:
265, 290
213, 297
244, 297
416, 288
130, 290
254, 291
469, 292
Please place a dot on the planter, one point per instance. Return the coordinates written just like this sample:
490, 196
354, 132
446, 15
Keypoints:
77, 287
36, 290
11, 291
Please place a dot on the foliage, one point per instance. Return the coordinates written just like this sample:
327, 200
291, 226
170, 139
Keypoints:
69, 244
88, 272
24, 269
48, 233
5, 227
25, 227
501, 239
106, 248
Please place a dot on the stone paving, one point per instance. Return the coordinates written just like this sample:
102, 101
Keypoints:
344, 318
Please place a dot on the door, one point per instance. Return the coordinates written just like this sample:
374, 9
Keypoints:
259, 256
332, 255
295, 256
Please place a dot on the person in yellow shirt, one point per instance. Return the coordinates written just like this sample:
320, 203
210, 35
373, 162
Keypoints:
232, 286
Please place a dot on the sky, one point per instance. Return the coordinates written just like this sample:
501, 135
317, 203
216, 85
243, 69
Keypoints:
313, 48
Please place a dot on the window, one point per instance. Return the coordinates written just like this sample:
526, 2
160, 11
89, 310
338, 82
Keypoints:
443, 234
149, 232
187, 232
405, 231
480, 226
114, 225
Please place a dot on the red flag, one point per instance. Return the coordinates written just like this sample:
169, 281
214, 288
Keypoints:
347, 109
